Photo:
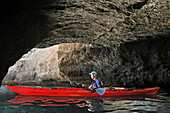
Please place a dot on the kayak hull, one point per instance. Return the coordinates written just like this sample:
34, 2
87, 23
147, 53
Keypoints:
79, 92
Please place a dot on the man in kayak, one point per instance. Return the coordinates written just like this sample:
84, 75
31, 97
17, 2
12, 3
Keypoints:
95, 84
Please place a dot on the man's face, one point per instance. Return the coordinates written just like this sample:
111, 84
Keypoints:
93, 76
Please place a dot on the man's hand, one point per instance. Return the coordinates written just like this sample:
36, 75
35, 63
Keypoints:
83, 85
91, 87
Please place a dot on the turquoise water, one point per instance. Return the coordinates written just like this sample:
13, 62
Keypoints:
11, 102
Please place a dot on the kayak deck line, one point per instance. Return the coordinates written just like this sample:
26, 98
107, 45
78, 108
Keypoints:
23, 90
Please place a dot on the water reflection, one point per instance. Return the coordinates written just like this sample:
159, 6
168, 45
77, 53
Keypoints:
91, 104
95, 104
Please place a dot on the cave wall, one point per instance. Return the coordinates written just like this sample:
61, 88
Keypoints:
144, 63
111, 26
22, 25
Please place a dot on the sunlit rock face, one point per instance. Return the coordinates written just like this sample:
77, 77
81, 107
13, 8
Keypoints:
61, 64
40, 65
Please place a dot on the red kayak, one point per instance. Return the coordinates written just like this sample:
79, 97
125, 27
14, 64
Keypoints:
79, 92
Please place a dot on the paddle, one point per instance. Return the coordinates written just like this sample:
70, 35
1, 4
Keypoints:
99, 91
78, 85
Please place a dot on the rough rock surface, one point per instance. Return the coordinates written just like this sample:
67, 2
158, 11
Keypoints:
130, 38
42, 65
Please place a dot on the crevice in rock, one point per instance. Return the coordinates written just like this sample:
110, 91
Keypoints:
137, 5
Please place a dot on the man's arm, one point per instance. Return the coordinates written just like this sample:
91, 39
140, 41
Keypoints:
97, 83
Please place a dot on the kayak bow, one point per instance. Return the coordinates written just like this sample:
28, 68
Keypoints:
25, 90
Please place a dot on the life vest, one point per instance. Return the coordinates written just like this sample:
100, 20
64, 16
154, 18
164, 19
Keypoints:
95, 83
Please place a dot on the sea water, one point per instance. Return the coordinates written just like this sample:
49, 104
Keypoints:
11, 102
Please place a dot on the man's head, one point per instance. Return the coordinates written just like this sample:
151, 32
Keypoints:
93, 74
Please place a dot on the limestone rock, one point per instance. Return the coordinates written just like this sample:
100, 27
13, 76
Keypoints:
40, 65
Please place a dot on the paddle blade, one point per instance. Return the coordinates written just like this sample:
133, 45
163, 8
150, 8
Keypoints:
100, 91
